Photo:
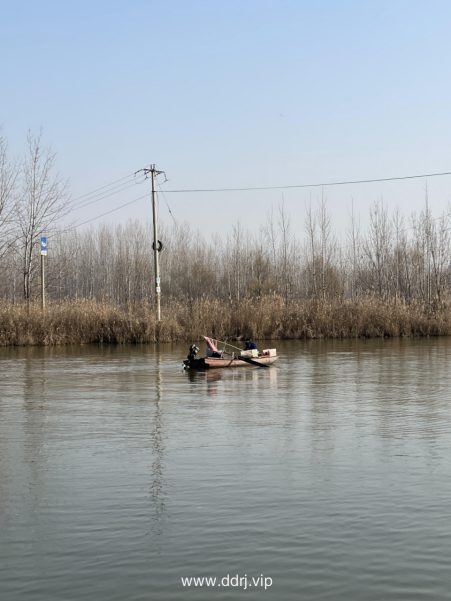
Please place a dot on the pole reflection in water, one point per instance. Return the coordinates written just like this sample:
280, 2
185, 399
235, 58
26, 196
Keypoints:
35, 426
157, 447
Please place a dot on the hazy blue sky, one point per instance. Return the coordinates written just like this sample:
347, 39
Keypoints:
233, 94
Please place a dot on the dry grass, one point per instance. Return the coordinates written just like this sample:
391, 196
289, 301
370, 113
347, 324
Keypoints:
86, 321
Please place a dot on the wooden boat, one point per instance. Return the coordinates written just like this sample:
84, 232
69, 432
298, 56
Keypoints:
215, 358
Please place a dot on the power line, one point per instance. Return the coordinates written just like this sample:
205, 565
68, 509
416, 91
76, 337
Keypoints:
102, 192
316, 185
96, 190
120, 185
166, 202
102, 195
77, 225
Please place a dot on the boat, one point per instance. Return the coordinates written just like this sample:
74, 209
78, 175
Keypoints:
225, 358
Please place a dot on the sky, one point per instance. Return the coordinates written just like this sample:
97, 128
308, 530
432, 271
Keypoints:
233, 94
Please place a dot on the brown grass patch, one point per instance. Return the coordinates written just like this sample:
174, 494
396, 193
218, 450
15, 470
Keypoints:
87, 321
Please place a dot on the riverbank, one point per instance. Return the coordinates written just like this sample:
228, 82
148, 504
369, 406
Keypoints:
87, 321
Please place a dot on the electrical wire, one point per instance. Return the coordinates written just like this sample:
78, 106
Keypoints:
96, 190
126, 204
316, 185
102, 195
120, 185
166, 202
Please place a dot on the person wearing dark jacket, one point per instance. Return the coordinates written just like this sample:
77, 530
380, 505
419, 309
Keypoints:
249, 345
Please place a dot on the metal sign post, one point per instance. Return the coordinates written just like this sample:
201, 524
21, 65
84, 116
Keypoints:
43, 255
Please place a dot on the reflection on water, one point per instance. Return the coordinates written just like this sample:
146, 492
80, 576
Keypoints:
157, 449
329, 473
213, 381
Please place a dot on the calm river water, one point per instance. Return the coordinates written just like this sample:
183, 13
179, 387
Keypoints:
327, 477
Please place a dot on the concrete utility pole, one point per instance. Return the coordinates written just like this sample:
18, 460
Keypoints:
156, 245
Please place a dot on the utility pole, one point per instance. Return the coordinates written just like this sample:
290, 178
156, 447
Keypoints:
156, 245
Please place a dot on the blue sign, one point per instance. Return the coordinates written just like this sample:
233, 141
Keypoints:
43, 245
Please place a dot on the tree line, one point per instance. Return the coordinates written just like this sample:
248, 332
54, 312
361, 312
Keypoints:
396, 258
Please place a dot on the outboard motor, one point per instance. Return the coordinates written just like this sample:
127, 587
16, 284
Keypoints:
193, 350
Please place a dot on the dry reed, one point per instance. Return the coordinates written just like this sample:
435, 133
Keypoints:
87, 321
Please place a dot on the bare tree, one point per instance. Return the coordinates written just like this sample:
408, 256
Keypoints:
236, 252
440, 252
378, 247
328, 249
354, 244
311, 227
270, 233
40, 203
285, 248
262, 275
398, 225
8, 178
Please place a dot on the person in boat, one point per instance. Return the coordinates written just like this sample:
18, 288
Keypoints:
211, 353
212, 349
249, 345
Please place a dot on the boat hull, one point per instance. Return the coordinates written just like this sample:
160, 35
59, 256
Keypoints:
220, 362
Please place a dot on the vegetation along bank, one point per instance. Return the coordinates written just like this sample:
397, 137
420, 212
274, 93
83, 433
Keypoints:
91, 321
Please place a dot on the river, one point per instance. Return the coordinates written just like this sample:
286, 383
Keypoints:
324, 477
